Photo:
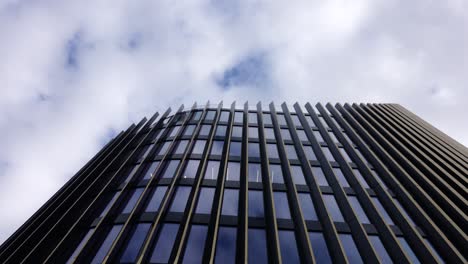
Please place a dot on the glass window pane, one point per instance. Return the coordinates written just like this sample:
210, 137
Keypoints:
210, 115
379, 180
191, 169
310, 153
405, 213
134, 245
217, 147
302, 135
318, 136
257, 246
233, 171
382, 211
281, 205
235, 149
131, 203
252, 118
171, 169
144, 152
350, 248
230, 202
319, 246
181, 147
276, 174
212, 169
224, 116
345, 155
196, 115
162, 250
307, 207
226, 245
406, 247
272, 151
237, 131
164, 148
285, 134
238, 117
255, 173
319, 176
333, 137
310, 121
253, 132
155, 202
360, 178
205, 130
281, 120
297, 175
333, 208
174, 131
360, 155
189, 130
357, 208
269, 133
267, 119
205, 200
380, 249
290, 151
109, 204
221, 131
340, 177
199, 147
256, 204
106, 244
151, 172
296, 120
254, 150
180, 199
328, 154
195, 244
288, 246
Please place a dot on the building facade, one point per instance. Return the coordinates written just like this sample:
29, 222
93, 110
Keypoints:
294, 184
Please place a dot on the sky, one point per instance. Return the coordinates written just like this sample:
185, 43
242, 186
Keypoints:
74, 73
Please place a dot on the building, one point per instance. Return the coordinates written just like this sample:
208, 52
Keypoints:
352, 183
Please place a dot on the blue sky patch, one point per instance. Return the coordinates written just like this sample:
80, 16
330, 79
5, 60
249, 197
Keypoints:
251, 71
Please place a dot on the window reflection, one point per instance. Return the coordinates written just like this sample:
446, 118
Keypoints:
360, 178
340, 177
180, 199
319, 246
155, 202
328, 154
238, 117
281, 120
212, 169
233, 171
210, 115
297, 175
151, 172
226, 245
133, 247
296, 120
281, 205
106, 244
290, 151
382, 211
345, 155
357, 208
310, 121
205, 130
189, 130
406, 247
171, 169
272, 151
288, 246
257, 246
230, 202
333, 208
237, 131
276, 174
252, 118
205, 200
267, 119
302, 135
217, 147
255, 173
164, 148
309, 152
285, 134
269, 133
133, 200
350, 248
195, 244
254, 150
256, 203
380, 249
196, 115
224, 116
191, 169
181, 147
235, 149
199, 147
174, 131
405, 213
307, 207
318, 136
221, 131
253, 132
162, 250
319, 176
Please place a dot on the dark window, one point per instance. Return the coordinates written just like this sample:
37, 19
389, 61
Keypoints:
109, 204
281, 205
199, 147
80, 246
196, 115
210, 115
205, 200
318, 136
406, 247
238, 117
257, 246
267, 119
106, 244
377, 177
144, 152
281, 120
360, 178
191, 169
181, 147
290, 151
302, 135
297, 175
151, 172
382, 211
155, 202
350, 248
307, 207
380, 249
221, 131
212, 169
230, 202
340, 177
217, 147
296, 120
133, 247
254, 150
235, 149
180, 199
269, 133
253, 132
237, 131
319, 176
171, 169
319, 246
345, 155
224, 116
226, 245
162, 250
233, 171
333, 208
256, 203
133, 200
195, 244
276, 174
272, 151
360, 155
133, 171
205, 130
328, 154
288, 246
405, 213
189, 130
309, 152
357, 208
428, 243
252, 118
285, 134
255, 173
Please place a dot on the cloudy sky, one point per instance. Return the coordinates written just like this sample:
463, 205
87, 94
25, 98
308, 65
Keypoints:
73, 73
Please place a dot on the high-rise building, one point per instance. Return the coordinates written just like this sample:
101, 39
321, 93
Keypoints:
353, 183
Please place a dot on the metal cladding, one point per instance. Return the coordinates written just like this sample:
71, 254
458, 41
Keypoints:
346, 183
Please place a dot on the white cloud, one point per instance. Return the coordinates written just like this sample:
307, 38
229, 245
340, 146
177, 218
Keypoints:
136, 57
